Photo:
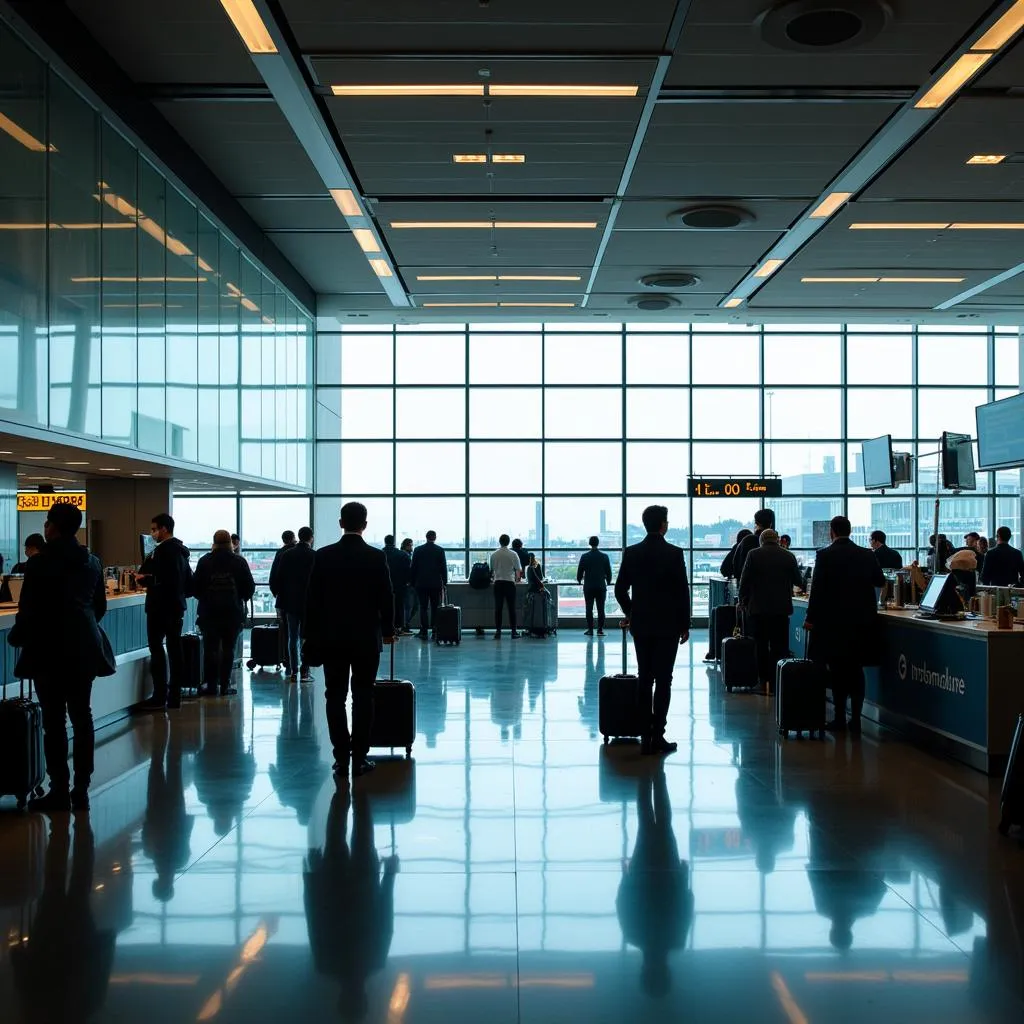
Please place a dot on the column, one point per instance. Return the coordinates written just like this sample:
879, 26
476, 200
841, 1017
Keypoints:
119, 511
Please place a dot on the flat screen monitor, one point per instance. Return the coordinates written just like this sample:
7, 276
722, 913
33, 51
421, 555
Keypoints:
1001, 433
146, 545
876, 460
957, 462
940, 597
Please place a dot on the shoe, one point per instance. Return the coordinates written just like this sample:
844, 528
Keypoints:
152, 704
663, 746
588, 632
80, 798
362, 767
836, 725
515, 635
710, 656
291, 678
228, 691
497, 634
600, 632
306, 677
53, 803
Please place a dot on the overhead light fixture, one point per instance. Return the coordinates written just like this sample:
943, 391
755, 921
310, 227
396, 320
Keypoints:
140, 280
249, 304
78, 226
249, 25
508, 158
567, 225
40, 458
607, 91
1003, 30
76, 463
899, 225
498, 277
203, 265
539, 277
538, 305
456, 277
732, 303
346, 201
829, 205
962, 71
768, 268
381, 268
469, 158
987, 158
881, 280
407, 90
109, 469
19, 134
460, 305
1004, 225
140, 474
455, 225
838, 280
365, 239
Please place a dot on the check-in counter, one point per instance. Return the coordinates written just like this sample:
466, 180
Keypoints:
125, 626
953, 686
478, 605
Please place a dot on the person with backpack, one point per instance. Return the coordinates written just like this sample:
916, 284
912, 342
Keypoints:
223, 584
167, 578
507, 571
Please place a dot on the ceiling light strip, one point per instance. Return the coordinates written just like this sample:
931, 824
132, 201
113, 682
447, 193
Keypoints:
249, 25
567, 90
830, 204
732, 303
963, 70
26, 139
986, 159
407, 90
1004, 29
366, 239
486, 225
346, 201
768, 267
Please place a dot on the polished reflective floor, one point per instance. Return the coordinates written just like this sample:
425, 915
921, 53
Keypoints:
515, 869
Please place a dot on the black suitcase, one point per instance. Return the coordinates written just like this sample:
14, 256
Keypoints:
264, 646
739, 663
723, 624
1011, 802
394, 711
192, 663
618, 703
538, 611
800, 697
447, 623
22, 764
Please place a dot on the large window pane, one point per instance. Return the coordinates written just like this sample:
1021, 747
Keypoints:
580, 467
726, 413
364, 359
489, 518
327, 512
430, 412
430, 358
490, 362
658, 412
583, 412
430, 468
502, 468
802, 359
658, 358
264, 519
805, 467
582, 359
1007, 370
445, 516
803, 413
947, 409
678, 518
952, 359
893, 516
197, 518
726, 459
879, 359
505, 412
570, 522
726, 359
871, 412
653, 467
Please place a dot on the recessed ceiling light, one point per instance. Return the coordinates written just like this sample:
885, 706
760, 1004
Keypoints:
829, 205
456, 277
564, 90
365, 239
347, 202
962, 71
920, 280
899, 225
407, 90
538, 305
381, 268
538, 277
508, 158
987, 158
249, 25
140, 280
557, 224
1003, 30
768, 268
109, 469
40, 458
76, 463
469, 158
838, 280
1006, 225
488, 224
6, 453
19, 134
140, 474
459, 305
732, 303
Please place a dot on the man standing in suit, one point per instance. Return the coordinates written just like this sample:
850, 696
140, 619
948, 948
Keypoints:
885, 556
429, 577
842, 614
770, 573
1004, 564
654, 594
595, 573
293, 572
764, 519
349, 616
400, 567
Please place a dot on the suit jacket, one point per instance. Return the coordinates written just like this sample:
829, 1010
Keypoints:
400, 567
740, 552
594, 570
62, 602
349, 601
293, 572
429, 567
652, 588
843, 608
170, 579
887, 558
275, 568
769, 575
1004, 566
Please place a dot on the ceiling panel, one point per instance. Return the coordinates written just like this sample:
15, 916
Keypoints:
721, 46
681, 248
713, 280
296, 213
330, 261
494, 289
654, 214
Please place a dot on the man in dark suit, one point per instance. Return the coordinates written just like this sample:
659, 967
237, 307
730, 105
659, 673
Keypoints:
885, 556
63, 650
770, 573
429, 577
400, 566
842, 615
349, 616
1004, 564
729, 561
654, 595
292, 578
764, 519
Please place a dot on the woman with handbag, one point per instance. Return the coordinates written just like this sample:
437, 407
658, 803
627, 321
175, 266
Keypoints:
63, 649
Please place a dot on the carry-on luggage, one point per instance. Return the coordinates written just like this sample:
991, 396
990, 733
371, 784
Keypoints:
1011, 802
192, 663
447, 622
618, 703
723, 624
22, 764
800, 697
480, 576
265, 646
739, 663
539, 615
394, 711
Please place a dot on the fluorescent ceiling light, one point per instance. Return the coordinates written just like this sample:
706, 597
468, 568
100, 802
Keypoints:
558, 224
40, 458
838, 280
469, 158
141, 280
76, 463
538, 277
830, 204
899, 225
498, 277
987, 158
459, 305
140, 474
109, 469
203, 265
249, 304
87, 226
564, 90
366, 240
768, 268
1006, 225
508, 158
19, 134
407, 90
442, 224
732, 303
456, 277
381, 268
438, 225
249, 25
538, 305
1003, 30
962, 71
347, 202
921, 280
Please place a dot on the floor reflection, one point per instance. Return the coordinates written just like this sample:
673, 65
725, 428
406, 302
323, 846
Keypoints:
222, 875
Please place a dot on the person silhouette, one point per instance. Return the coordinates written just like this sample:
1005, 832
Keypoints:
224, 769
764, 820
167, 828
350, 906
655, 904
299, 771
592, 673
63, 971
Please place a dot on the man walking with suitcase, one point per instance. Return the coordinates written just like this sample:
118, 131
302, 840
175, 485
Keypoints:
654, 594
429, 577
349, 617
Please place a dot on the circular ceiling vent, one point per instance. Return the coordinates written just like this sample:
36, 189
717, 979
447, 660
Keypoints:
823, 24
670, 280
711, 218
653, 303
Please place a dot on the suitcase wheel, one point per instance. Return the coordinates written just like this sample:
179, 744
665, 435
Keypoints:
1004, 825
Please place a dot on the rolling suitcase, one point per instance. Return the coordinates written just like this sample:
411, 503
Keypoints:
447, 622
618, 703
394, 711
192, 663
22, 765
264, 646
1011, 802
539, 615
739, 663
723, 623
800, 697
